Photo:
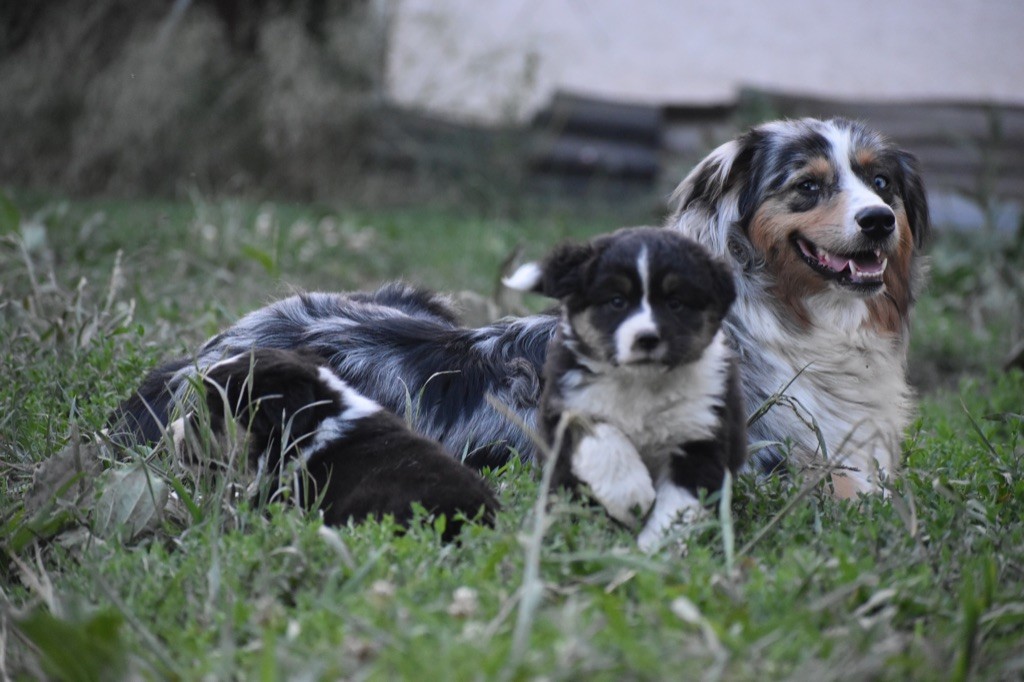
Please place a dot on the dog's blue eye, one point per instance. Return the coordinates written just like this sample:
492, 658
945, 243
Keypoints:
809, 186
881, 182
617, 302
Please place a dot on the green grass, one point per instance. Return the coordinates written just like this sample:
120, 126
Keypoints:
926, 585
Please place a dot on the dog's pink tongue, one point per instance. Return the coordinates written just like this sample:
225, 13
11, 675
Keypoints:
870, 265
836, 263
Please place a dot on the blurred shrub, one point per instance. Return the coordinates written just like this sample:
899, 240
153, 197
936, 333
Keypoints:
127, 97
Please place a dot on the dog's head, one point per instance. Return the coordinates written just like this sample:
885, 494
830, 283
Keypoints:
812, 207
639, 296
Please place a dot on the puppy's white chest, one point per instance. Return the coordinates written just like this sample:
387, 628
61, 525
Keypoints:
653, 407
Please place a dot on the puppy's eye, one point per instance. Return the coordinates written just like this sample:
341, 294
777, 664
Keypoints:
675, 304
617, 303
809, 186
881, 182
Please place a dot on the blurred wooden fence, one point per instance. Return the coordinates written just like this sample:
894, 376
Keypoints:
974, 150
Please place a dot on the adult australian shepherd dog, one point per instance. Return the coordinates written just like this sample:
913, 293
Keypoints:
821, 223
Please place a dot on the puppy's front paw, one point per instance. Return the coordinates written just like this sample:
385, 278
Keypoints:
674, 512
607, 462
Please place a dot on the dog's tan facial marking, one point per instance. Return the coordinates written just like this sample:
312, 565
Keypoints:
588, 335
865, 158
889, 313
772, 231
818, 168
671, 283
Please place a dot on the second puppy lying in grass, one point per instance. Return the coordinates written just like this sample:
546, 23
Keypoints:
641, 375
341, 451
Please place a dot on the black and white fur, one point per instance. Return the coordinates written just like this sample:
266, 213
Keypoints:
400, 346
307, 428
641, 388
794, 206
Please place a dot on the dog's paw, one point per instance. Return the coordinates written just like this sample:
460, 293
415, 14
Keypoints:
675, 511
608, 463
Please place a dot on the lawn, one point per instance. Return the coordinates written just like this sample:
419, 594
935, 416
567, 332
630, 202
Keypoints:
780, 582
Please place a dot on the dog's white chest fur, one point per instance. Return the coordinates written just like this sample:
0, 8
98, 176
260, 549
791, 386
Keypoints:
853, 388
656, 409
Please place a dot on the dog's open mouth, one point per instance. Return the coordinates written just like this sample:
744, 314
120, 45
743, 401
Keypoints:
863, 269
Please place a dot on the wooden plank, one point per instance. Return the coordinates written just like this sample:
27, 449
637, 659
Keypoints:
587, 116
579, 154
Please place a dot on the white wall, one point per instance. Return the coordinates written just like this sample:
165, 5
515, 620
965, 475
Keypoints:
493, 60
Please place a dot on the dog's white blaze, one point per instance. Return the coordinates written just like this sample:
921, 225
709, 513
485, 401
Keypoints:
608, 462
357, 406
641, 322
858, 195
675, 508
525, 278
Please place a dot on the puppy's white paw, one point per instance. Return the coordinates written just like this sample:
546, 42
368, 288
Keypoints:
674, 511
607, 462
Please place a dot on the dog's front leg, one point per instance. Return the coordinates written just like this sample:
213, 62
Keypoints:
608, 463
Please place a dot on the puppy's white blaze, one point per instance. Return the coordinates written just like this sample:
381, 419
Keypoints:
642, 321
357, 406
526, 277
676, 507
608, 462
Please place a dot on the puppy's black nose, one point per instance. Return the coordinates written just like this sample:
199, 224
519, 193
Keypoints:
647, 341
876, 222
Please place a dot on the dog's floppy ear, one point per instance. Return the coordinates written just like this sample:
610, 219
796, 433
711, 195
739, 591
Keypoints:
718, 174
915, 203
713, 202
558, 276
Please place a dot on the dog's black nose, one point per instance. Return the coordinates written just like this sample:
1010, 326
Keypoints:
647, 341
876, 222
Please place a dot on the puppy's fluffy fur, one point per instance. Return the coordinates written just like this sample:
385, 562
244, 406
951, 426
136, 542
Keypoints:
821, 221
641, 390
343, 450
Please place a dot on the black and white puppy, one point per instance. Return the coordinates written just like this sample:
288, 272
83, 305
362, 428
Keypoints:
350, 455
641, 389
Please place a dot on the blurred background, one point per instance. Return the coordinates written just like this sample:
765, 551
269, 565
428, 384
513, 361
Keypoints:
211, 154
385, 101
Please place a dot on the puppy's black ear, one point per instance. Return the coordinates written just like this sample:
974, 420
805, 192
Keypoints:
268, 392
558, 276
915, 202
564, 269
